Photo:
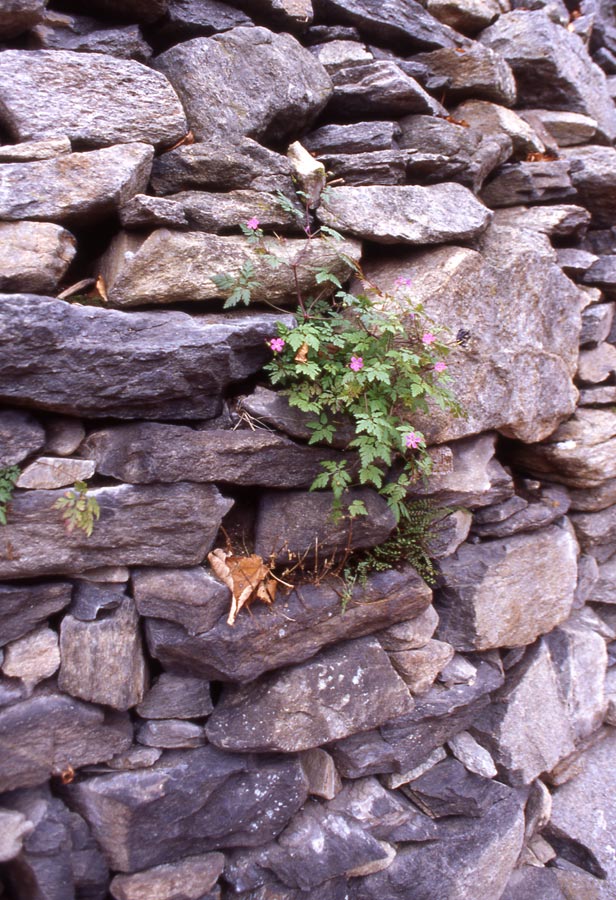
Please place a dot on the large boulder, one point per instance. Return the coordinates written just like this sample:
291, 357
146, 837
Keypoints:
95, 99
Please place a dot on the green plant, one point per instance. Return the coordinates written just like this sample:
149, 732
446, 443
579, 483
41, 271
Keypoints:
8, 480
78, 510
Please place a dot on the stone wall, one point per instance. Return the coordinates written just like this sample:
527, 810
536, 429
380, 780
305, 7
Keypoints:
446, 743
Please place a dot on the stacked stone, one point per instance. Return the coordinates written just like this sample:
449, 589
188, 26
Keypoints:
442, 743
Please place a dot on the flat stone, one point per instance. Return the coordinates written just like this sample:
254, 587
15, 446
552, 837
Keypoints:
294, 14
171, 734
187, 19
190, 631
398, 779
574, 262
64, 435
406, 742
33, 657
592, 174
146, 11
215, 213
580, 453
49, 732
232, 72
591, 499
338, 54
156, 365
447, 532
139, 454
188, 803
138, 526
23, 607
545, 506
383, 167
409, 214
103, 661
474, 71
558, 220
385, 814
17, 17
176, 697
410, 634
89, 600
14, 827
527, 728
47, 473
299, 524
272, 408
380, 88
195, 259
95, 100
458, 671
604, 590
466, 16
596, 532
529, 182
320, 770
193, 877
313, 703
472, 755
85, 35
210, 166
448, 789
34, 256
602, 273
358, 137
403, 24
568, 128
135, 757
521, 386
597, 364
552, 67
494, 118
80, 187
508, 591
21, 435
603, 395
419, 668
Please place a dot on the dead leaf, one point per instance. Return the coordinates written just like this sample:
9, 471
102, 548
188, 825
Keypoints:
188, 138
453, 121
101, 287
247, 577
302, 354
541, 157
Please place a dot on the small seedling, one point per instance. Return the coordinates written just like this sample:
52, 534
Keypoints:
8, 479
78, 510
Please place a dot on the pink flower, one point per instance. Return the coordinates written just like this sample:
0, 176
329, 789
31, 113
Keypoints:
403, 282
413, 439
356, 363
253, 223
428, 338
277, 344
439, 367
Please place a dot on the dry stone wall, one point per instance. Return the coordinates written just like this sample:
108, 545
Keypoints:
443, 742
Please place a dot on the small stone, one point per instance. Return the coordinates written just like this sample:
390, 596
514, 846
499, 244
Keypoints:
529, 182
26, 151
14, 827
21, 435
176, 697
395, 781
23, 607
474, 71
538, 808
359, 137
64, 435
134, 758
458, 671
472, 755
419, 668
187, 19
575, 262
411, 634
48, 473
307, 172
193, 877
32, 658
320, 770
596, 532
597, 364
171, 734
568, 128
494, 118
34, 256
15, 18
85, 35
558, 220
466, 16
448, 789
378, 88
103, 574
545, 506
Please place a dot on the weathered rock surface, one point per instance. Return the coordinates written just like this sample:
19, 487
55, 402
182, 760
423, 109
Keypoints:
529, 182
472, 755
95, 100
198, 639
551, 67
592, 173
171, 734
194, 877
543, 506
359, 137
143, 365
519, 281
23, 607
474, 71
90, 600
187, 19
79, 187
176, 697
32, 658
15, 826
560, 220
409, 214
20, 436
466, 16
138, 526
48, 472
380, 88
567, 128
410, 634
81, 33
259, 106
146, 11
50, 732
484, 116
26, 151
133, 277
149, 452
596, 532
17, 17
349, 688
64, 435
419, 668
319, 769
34, 256
103, 661
447, 789
189, 803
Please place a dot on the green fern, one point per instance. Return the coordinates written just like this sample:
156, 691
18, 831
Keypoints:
8, 480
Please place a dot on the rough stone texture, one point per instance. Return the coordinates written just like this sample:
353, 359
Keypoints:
187, 19
386, 815
59, 31
189, 803
560, 220
138, 526
410, 634
466, 16
95, 100
300, 523
89, 600
272, 408
447, 789
529, 182
596, 532
14, 827
176, 697
516, 275
286, 89
141, 365
23, 607
149, 452
29, 150
192, 877
568, 128
34, 256
544, 506
530, 881
602, 272
47, 473
64, 435
474, 71
527, 728
349, 688
592, 173
103, 661
598, 364
171, 734
551, 67
79, 187
472, 755
379, 88
409, 214
17, 16
507, 592
319, 769
419, 668
359, 137
50, 732
496, 119
20, 436
133, 277
209, 166
196, 638
33, 657
579, 454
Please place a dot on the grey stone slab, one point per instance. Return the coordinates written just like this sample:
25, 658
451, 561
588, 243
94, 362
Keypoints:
545, 506
568, 128
411, 633
21, 435
49, 732
494, 118
529, 182
361, 169
171, 734
176, 697
26, 151
232, 72
187, 19
379, 88
94, 99
90, 600
138, 526
190, 802
386, 815
597, 364
196, 638
272, 408
49, 472
419, 668
530, 881
472, 755
448, 789
34, 256
193, 877
474, 71
555, 220
85, 35
23, 607
80, 187
345, 689
358, 137
143, 365
405, 214
596, 532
